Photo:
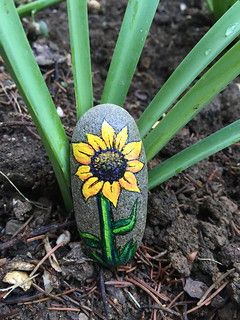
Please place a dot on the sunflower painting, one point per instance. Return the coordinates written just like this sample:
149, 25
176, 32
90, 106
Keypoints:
107, 164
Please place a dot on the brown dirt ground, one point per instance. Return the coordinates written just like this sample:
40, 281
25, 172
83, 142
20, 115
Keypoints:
193, 227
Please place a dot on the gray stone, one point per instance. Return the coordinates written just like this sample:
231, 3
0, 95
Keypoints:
21, 209
82, 316
76, 265
111, 168
12, 226
195, 289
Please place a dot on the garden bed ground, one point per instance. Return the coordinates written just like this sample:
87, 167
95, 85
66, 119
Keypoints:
192, 235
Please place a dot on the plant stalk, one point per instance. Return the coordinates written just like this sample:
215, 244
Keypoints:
134, 30
35, 6
192, 155
80, 52
20, 61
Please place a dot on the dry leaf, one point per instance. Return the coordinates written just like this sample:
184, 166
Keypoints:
47, 281
22, 266
52, 258
19, 278
2, 261
64, 238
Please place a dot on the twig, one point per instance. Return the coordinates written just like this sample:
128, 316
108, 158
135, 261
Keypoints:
163, 308
119, 283
158, 294
21, 299
175, 299
16, 123
11, 243
208, 300
214, 285
52, 296
40, 231
48, 298
22, 227
103, 294
51, 228
40, 237
153, 296
211, 260
36, 204
65, 309
61, 244
133, 299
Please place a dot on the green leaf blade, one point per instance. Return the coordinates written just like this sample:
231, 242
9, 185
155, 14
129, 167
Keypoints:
80, 49
194, 154
206, 50
212, 82
18, 56
35, 6
136, 24
219, 7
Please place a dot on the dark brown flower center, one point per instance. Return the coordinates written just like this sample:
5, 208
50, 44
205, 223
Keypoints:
108, 165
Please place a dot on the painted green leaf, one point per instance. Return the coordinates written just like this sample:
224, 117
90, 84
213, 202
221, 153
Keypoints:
90, 240
97, 258
124, 226
127, 252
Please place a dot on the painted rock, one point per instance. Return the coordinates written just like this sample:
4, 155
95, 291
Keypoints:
109, 184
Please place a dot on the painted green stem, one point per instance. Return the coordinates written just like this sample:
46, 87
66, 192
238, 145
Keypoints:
109, 250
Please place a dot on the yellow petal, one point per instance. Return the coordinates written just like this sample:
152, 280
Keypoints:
132, 150
91, 187
129, 182
121, 138
108, 134
83, 173
111, 191
96, 142
134, 166
82, 152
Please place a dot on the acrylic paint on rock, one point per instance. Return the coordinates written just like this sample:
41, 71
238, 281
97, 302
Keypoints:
109, 184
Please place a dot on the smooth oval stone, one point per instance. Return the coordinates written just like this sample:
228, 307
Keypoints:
109, 184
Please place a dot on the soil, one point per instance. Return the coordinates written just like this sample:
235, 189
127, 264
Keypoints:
192, 235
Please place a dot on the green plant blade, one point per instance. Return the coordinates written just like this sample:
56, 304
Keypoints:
195, 153
212, 82
18, 56
210, 4
219, 7
135, 27
80, 48
214, 41
35, 6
